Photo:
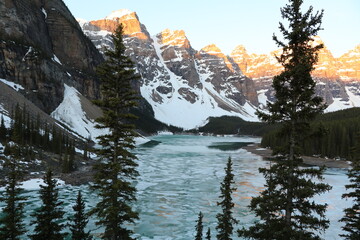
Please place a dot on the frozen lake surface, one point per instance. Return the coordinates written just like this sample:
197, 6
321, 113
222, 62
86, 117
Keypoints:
181, 176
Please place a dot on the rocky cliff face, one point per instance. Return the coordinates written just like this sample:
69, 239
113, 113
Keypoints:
184, 86
349, 65
178, 80
42, 47
337, 78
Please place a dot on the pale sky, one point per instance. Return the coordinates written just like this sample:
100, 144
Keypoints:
228, 23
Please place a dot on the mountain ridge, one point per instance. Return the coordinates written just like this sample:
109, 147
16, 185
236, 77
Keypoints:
176, 77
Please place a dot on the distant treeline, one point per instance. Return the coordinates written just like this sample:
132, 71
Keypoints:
235, 125
334, 135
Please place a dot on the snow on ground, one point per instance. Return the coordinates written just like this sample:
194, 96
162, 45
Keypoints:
44, 12
4, 114
70, 113
13, 85
56, 59
34, 184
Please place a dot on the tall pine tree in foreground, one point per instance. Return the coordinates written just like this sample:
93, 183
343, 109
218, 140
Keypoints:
79, 220
199, 227
50, 214
285, 208
225, 218
11, 224
117, 167
352, 214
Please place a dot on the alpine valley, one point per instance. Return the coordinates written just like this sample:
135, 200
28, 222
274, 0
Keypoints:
48, 61
48, 81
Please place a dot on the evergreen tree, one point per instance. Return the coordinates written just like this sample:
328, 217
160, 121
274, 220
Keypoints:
11, 224
208, 234
3, 131
352, 214
199, 227
116, 167
49, 215
285, 208
79, 221
225, 218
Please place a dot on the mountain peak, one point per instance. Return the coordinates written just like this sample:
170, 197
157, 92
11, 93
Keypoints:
212, 49
119, 14
239, 50
174, 38
129, 19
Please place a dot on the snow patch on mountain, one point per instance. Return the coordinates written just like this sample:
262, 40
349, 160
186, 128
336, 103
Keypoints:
56, 59
352, 101
5, 115
119, 13
172, 108
13, 85
71, 114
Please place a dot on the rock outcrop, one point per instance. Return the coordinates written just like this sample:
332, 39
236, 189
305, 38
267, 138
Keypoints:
41, 47
337, 78
177, 79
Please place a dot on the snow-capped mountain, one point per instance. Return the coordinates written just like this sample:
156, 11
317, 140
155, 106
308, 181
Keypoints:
179, 81
338, 79
44, 51
184, 86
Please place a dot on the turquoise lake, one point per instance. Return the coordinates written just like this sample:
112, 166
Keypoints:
181, 176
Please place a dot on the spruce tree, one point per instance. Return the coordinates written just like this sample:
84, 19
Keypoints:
285, 208
3, 131
116, 167
208, 234
199, 227
11, 224
49, 215
225, 218
79, 221
352, 214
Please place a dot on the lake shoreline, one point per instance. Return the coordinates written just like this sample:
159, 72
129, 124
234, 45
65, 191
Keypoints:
266, 153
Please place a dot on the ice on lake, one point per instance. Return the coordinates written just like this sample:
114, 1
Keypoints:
181, 176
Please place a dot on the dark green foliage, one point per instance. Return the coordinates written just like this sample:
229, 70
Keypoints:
30, 132
285, 208
199, 227
3, 131
352, 214
79, 221
208, 234
11, 224
146, 123
337, 139
225, 218
68, 161
235, 125
117, 166
50, 214
272, 204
